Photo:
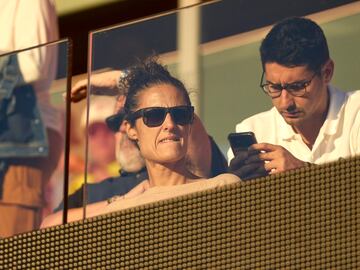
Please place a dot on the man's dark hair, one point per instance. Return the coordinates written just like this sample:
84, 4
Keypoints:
145, 75
295, 42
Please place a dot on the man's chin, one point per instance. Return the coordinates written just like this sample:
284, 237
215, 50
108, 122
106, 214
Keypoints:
293, 121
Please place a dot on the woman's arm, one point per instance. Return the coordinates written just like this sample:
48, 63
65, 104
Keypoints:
74, 214
104, 83
95, 209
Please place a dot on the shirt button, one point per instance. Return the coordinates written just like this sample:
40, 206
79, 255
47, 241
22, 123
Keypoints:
41, 149
37, 121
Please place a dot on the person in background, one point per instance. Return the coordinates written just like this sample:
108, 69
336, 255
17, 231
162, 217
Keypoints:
205, 157
312, 122
101, 142
30, 131
158, 119
132, 164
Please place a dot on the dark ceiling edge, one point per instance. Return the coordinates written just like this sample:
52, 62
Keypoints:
76, 26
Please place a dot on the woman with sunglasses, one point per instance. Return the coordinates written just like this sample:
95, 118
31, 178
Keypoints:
159, 119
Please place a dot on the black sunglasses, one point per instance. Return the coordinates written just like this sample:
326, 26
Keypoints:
114, 121
155, 116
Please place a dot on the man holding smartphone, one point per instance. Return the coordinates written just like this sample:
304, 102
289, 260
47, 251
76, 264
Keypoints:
311, 121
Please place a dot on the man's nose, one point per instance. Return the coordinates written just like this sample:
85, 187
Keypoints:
286, 99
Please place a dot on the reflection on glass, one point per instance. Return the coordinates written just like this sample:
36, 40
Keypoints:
229, 67
109, 64
32, 133
117, 48
155, 130
114, 51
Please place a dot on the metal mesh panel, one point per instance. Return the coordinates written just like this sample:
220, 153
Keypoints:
307, 218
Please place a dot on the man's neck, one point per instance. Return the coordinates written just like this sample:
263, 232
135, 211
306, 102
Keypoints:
309, 130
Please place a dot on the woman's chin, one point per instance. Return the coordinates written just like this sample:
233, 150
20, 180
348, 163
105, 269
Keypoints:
171, 157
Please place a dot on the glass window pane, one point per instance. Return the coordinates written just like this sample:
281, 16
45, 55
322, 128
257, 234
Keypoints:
206, 47
32, 135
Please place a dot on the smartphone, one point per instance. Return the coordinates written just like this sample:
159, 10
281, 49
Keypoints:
241, 141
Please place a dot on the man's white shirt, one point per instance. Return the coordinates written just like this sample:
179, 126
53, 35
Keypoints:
339, 136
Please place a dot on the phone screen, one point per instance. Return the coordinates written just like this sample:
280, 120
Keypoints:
241, 141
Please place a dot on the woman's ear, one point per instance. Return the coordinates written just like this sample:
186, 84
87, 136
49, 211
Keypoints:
131, 131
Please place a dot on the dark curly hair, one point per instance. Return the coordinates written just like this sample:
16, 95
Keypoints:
295, 42
143, 75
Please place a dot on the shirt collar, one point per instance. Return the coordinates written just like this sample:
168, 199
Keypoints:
332, 119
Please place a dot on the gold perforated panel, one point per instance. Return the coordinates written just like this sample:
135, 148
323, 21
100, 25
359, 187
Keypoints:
305, 219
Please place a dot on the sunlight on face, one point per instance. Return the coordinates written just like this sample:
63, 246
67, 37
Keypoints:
297, 110
166, 143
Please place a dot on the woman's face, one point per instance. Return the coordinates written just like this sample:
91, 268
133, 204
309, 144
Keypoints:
167, 142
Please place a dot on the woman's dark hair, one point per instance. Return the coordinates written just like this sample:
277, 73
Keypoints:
146, 74
295, 42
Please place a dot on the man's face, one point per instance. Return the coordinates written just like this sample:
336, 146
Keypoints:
300, 111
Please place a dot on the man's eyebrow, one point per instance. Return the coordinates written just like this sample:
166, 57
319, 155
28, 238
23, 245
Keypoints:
299, 81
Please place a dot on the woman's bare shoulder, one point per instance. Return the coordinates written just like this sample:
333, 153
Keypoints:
227, 178
137, 190
217, 181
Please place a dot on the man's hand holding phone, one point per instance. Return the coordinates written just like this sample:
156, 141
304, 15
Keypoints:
262, 159
277, 158
246, 163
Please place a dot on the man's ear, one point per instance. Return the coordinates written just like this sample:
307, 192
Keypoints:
328, 71
131, 131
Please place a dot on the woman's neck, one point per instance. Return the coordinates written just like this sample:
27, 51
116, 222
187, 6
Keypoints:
168, 174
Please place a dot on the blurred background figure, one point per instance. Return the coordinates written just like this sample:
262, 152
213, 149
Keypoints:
101, 142
30, 161
204, 156
130, 161
162, 142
